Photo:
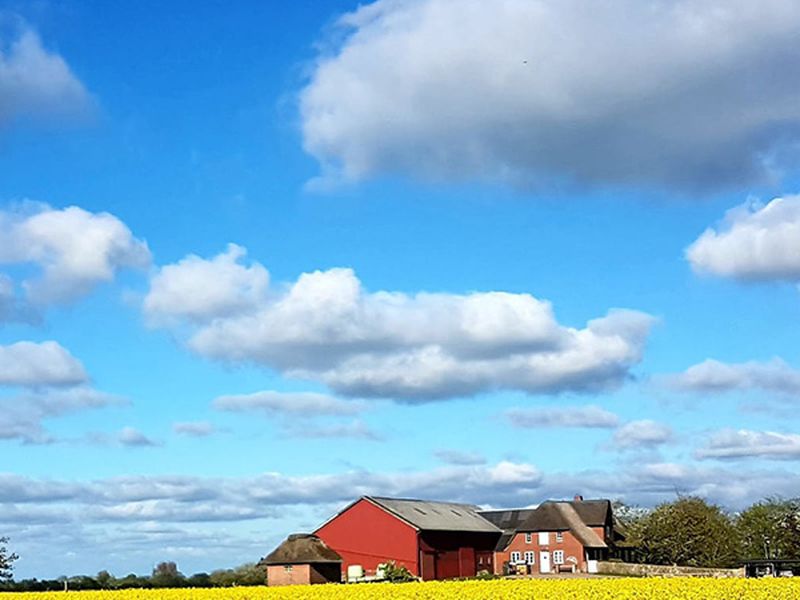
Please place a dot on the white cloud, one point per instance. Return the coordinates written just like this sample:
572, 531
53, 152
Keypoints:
130, 436
75, 249
755, 242
289, 403
199, 289
563, 416
325, 327
22, 416
743, 443
644, 433
687, 93
194, 428
712, 376
35, 82
39, 364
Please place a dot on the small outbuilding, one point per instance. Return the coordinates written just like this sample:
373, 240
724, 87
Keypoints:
302, 559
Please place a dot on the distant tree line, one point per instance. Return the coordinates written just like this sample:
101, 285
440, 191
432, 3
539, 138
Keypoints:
164, 575
692, 532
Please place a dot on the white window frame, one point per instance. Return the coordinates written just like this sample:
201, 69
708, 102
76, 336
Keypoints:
530, 557
558, 557
559, 536
528, 538
516, 557
544, 538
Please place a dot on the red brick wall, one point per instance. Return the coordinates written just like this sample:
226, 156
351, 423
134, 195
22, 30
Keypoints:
298, 575
570, 545
367, 535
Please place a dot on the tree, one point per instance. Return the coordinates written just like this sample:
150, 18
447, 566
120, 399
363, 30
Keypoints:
105, 580
199, 580
250, 574
686, 532
6, 560
166, 574
770, 529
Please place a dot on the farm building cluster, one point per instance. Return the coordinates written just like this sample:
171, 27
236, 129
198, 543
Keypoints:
444, 540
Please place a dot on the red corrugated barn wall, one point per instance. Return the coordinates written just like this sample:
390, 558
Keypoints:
367, 535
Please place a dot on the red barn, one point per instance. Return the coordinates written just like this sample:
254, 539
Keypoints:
433, 540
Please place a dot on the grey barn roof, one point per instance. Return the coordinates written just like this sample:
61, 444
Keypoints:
301, 548
426, 515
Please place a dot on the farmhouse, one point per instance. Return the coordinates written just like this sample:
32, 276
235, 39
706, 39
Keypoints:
555, 537
302, 559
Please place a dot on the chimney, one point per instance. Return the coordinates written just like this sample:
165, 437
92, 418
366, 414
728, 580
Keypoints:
578, 498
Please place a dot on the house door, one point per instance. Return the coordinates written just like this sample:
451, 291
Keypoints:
544, 562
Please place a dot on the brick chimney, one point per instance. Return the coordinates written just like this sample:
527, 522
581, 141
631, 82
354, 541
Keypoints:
578, 498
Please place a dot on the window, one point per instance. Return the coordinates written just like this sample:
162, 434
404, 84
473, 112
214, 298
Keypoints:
544, 538
559, 536
528, 538
288, 568
558, 557
529, 557
515, 558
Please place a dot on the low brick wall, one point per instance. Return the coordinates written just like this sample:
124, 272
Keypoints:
637, 570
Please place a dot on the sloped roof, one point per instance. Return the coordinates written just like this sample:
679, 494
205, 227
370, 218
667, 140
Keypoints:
301, 548
509, 519
563, 516
426, 515
595, 513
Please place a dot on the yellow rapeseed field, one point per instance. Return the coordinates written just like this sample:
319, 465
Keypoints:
573, 589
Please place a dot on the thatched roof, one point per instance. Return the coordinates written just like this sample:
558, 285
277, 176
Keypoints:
563, 516
301, 548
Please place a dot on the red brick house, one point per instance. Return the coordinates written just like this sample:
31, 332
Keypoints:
302, 559
555, 537
433, 540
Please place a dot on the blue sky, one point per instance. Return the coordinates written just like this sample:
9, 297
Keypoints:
259, 259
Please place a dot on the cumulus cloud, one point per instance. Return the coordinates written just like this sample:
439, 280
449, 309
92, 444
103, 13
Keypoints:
563, 416
712, 376
743, 443
288, 403
755, 242
326, 327
37, 83
22, 416
132, 437
74, 249
682, 93
39, 364
639, 434
199, 289
194, 428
